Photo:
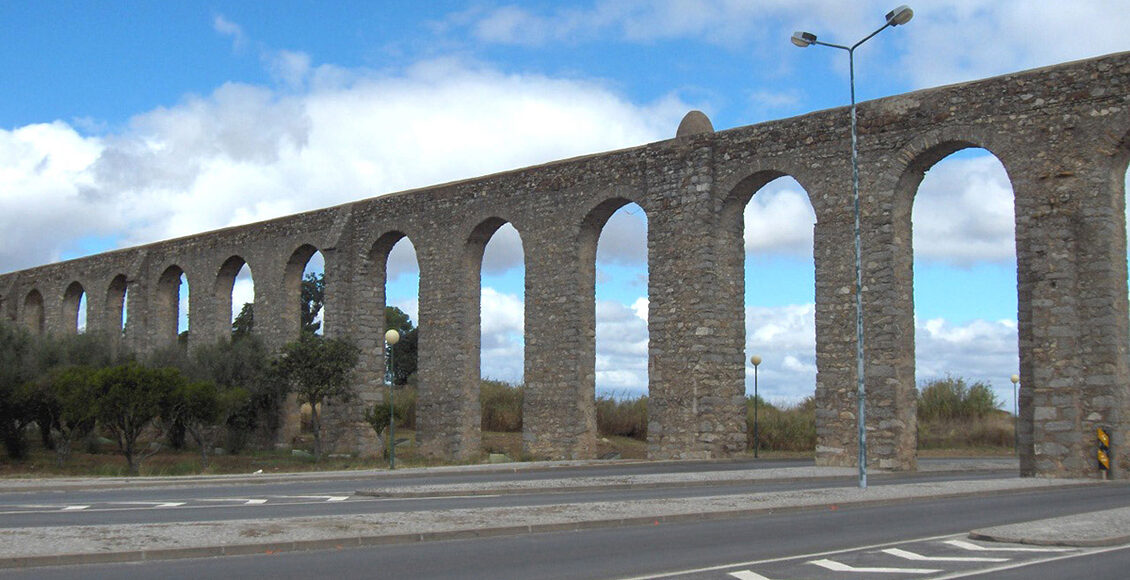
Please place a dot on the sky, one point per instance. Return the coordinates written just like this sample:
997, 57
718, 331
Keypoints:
123, 123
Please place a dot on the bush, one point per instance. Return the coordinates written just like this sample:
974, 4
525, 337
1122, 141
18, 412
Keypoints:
623, 417
951, 398
502, 406
783, 429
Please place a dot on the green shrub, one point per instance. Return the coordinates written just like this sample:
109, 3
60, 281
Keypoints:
952, 398
782, 429
622, 417
501, 406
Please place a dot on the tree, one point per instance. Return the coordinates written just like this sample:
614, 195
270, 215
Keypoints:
65, 402
17, 366
318, 369
244, 322
131, 398
313, 298
404, 359
377, 418
203, 409
242, 364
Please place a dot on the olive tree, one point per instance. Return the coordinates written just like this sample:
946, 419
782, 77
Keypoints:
317, 369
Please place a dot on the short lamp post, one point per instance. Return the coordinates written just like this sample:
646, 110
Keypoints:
756, 360
900, 15
1015, 413
391, 338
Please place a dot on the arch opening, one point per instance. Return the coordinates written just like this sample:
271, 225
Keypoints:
235, 297
778, 282
402, 307
305, 284
617, 249
172, 306
75, 309
117, 303
498, 259
965, 294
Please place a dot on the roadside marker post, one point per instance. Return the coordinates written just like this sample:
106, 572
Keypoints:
1104, 451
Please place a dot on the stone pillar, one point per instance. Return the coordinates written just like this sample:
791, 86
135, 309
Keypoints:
448, 412
1071, 252
559, 408
696, 404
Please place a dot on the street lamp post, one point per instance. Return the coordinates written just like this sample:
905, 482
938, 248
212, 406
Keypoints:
1015, 414
391, 337
756, 360
900, 15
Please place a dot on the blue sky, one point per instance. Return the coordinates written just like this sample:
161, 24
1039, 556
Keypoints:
130, 122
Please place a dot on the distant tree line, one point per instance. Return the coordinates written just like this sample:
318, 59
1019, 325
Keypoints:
229, 393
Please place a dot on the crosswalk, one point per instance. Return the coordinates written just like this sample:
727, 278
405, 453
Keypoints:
265, 500
947, 557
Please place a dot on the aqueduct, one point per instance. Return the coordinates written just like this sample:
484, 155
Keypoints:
1062, 134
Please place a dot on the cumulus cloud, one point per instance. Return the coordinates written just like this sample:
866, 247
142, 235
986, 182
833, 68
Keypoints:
247, 153
950, 41
980, 350
502, 329
963, 213
779, 219
621, 349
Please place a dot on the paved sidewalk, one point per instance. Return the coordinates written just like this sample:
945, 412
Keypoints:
27, 547
1105, 528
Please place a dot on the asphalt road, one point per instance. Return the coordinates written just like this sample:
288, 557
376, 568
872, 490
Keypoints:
225, 501
793, 540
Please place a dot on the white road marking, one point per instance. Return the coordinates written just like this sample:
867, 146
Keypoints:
75, 508
322, 497
749, 563
838, 567
748, 575
964, 545
908, 555
244, 501
154, 504
1014, 565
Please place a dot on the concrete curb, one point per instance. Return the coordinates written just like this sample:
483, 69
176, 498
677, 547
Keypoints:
352, 541
1089, 530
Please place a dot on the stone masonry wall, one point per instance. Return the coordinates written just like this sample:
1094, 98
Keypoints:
1062, 134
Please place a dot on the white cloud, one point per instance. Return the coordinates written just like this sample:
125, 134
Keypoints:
963, 213
981, 350
621, 349
624, 237
502, 324
248, 153
785, 339
779, 219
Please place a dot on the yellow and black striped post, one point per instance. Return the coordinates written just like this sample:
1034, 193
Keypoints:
1104, 451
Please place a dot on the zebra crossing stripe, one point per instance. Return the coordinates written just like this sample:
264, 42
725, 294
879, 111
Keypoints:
964, 545
908, 555
838, 567
748, 575
75, 508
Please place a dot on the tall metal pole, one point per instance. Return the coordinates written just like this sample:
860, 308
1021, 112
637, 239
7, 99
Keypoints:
756, 360
900, 15
391, 338
391, 409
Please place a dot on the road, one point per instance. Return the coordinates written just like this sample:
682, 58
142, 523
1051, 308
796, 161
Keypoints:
774, 546
226, 501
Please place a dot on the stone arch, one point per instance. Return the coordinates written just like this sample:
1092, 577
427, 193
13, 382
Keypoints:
117, 297
292, 287
32, 316
72, 302
167, 305
732, 249
593, 226
918, 157
223, 290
